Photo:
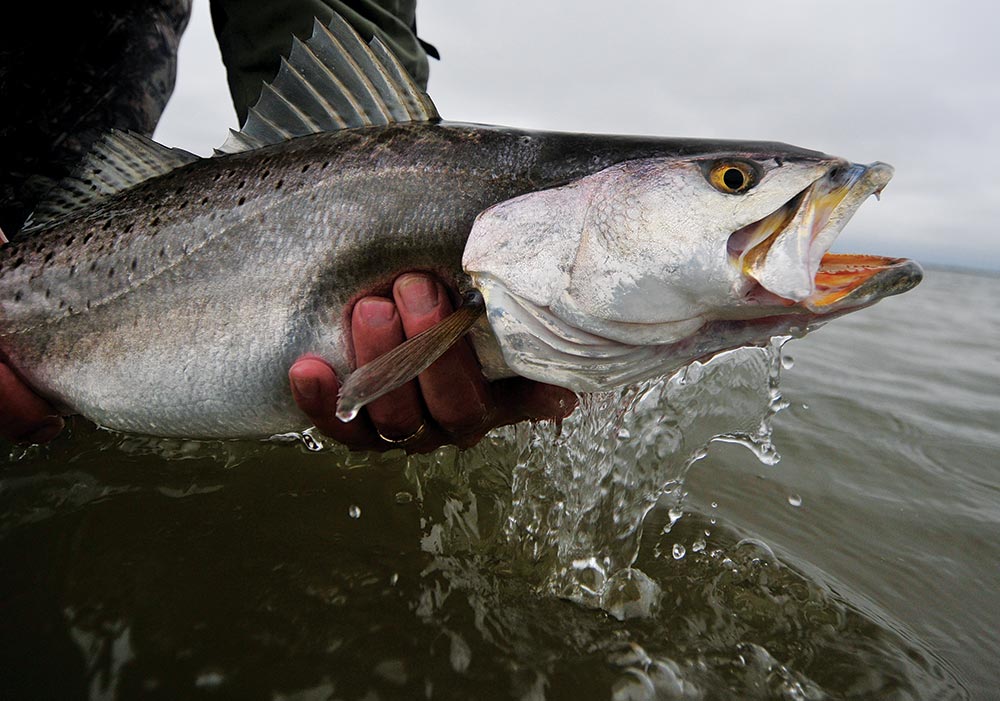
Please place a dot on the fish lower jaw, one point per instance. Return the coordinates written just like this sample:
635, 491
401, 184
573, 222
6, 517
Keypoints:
843, 283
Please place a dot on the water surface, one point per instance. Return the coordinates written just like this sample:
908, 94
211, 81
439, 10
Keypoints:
864, 564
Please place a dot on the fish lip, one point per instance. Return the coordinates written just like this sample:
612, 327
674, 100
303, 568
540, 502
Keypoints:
806, 227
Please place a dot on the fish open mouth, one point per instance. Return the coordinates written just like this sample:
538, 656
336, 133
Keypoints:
786, 253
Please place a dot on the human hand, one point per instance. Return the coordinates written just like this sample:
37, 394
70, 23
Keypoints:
24, 416
450, 402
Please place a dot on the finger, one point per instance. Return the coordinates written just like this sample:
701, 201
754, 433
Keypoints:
520, 399
453, 387
24, 416
315, 387
376, 329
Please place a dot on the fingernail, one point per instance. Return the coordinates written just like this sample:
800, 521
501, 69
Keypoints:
49, 429
417, 294
376, 311
306, 387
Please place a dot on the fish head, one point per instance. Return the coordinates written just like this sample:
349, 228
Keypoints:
649, 264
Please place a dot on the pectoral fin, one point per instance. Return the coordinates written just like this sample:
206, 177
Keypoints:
407, 360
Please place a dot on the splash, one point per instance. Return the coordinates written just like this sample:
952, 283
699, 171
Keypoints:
580, 495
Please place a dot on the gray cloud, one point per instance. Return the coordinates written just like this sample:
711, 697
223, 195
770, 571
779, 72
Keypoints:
911, 83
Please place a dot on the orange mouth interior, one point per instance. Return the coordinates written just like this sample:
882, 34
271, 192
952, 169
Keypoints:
841, 273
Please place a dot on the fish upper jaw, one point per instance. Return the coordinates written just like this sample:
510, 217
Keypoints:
783, 251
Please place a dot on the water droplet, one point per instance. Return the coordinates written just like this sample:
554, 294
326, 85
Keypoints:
787, 362
698, 545
715, 505
795, 500
679, 552
403, 497
623, 434
354, 511
674, 514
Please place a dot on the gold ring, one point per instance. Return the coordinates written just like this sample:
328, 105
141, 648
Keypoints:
416, 435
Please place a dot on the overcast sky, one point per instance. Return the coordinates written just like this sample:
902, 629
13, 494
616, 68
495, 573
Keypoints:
916, 84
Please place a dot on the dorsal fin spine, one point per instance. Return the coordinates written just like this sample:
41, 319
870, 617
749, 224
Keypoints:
361, 75
332, 81
292, 109
320, 102
323, 71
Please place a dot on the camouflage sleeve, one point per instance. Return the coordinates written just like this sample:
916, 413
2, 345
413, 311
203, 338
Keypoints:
254, 35
67, 79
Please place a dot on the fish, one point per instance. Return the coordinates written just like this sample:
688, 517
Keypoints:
166, 294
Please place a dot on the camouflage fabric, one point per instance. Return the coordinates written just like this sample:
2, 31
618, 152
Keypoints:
65, 80
70, 76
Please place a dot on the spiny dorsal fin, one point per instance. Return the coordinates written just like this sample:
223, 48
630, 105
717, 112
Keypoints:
117, 161
333, 81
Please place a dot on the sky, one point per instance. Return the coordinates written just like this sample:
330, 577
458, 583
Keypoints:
915, 84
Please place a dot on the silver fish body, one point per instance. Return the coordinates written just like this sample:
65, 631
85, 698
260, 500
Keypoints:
176, 307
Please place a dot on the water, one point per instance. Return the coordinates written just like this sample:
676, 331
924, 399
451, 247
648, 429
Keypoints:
863, 564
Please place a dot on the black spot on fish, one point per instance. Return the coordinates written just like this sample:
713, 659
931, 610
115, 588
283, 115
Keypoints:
278, 185
265, 175
204, 200
93, 266
62, 303
86, 239
305, 167
111, 272
107, 225
155, 222
242, 183
70, 240
17, 296
242, 201
48, 293
325, 165
128, 229
163, 252
135, 263
48, 256
72, 270
18, 262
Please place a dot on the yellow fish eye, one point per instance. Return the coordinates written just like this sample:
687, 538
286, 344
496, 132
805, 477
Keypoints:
732, 177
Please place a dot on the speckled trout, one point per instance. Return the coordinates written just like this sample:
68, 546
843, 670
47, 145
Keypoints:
162, 293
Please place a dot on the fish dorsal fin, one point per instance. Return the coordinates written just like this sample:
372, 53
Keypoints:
117, 161
332, 81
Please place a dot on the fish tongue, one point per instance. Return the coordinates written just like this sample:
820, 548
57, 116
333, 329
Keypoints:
786, 269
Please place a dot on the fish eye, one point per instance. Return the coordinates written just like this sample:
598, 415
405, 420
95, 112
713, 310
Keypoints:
732, 177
